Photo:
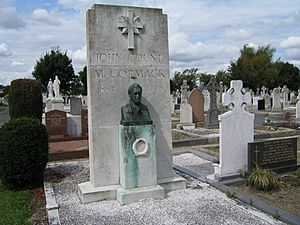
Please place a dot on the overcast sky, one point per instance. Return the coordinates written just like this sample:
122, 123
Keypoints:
207, 34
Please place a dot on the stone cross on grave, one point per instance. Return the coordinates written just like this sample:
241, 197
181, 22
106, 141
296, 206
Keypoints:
213, 87
184, 91
235, 96
130, 25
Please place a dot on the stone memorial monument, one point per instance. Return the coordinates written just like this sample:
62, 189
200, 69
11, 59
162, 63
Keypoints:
236, 131
127, 45
213, 112
276, 104
186, 111
196, 100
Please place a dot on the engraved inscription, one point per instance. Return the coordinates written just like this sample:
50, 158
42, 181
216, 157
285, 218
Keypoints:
273, 154
116, 58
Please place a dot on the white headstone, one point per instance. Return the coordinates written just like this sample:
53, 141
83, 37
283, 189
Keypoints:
298, 107
236, 131
285, 94
276, 99
206, 95
125, 45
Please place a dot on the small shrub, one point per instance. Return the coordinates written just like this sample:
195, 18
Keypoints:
264, 179
23, 153
25, 99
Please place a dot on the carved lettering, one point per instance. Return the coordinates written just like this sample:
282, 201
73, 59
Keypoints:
108, 58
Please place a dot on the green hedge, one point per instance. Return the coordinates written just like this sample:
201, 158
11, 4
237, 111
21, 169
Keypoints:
25, 99
23, 153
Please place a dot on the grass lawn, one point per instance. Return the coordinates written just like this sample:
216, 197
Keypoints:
15, 207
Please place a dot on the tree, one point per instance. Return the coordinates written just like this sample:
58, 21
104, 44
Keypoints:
253, 67
83, 80
55, 63
256, 69
191, 75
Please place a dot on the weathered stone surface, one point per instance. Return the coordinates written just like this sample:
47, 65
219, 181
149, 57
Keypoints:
75, 106
213, 112
276, 105
196, 100
126, 45
56, 122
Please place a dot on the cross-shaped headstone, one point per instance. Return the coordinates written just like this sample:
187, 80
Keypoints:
130, 25
213, 87
184, 91
234, 96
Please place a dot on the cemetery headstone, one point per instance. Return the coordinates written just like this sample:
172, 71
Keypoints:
84, 123
261, 104
276, 99
298, 107
126, 45
196, 100
236, 131
56, 123
213, 112
285, 94
184, 92
206, 99
276, 154
75, 106
267, 99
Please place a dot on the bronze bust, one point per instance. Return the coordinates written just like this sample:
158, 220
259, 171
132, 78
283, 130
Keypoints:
134, 112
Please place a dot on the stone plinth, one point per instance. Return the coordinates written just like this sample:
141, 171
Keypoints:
58, 103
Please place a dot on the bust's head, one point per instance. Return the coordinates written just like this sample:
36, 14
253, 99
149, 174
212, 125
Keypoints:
135, 93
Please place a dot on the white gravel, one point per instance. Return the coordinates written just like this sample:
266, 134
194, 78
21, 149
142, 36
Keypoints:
194, 163
198, 204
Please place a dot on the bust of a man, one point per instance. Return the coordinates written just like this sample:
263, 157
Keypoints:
134, 112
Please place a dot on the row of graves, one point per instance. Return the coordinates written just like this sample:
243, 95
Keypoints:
129, 119
65, 117
236, 111
204, 103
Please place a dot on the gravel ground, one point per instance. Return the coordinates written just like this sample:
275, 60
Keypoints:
198, 204
194, 163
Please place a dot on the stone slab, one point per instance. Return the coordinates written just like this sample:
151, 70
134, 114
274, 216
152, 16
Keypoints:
89, 193
173, 183
273, 154
196, 100
126, 196
74, 125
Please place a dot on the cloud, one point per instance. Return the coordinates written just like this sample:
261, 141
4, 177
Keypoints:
4, 50
79, 55
43, 16
10, 19
291, 42
240, 34
18, 63
183, 50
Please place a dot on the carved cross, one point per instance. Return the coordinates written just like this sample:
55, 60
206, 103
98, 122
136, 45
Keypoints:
130, 25
213, 87
235, 97
264, 89
184, 91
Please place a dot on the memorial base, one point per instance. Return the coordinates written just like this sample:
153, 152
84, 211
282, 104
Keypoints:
88, 193
126, 196
58, 103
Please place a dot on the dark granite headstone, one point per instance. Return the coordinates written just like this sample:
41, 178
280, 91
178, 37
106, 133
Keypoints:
84, 122
278, 154
213, 112
261, 104
56, 123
